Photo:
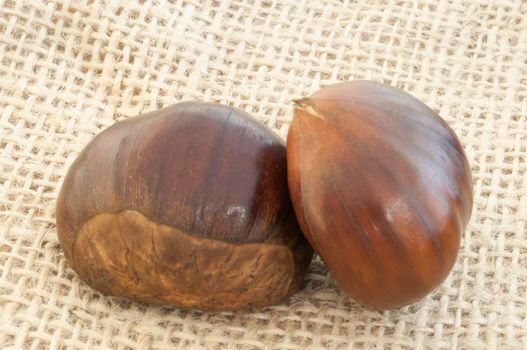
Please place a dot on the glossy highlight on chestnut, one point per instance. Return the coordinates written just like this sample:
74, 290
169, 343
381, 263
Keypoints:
382, 189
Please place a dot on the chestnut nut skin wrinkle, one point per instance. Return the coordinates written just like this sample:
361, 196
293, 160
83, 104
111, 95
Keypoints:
186, 206
382, 190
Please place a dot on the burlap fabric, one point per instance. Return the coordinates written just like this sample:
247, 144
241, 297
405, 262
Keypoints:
69, 69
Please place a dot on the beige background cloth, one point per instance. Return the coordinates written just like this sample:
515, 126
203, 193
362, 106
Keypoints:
69, 69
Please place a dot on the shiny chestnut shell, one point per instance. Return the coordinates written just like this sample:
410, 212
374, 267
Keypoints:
382, 189
186, 206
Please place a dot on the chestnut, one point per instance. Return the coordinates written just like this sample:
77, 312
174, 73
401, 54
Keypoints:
382, 189
186, 206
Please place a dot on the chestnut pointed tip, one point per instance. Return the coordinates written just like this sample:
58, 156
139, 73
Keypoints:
302, 101
305, 107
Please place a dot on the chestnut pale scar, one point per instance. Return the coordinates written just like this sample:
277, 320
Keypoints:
128, 254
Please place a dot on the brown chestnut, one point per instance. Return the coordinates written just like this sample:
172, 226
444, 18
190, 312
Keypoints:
186, 206
382, 189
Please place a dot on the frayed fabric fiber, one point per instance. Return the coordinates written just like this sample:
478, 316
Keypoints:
70, 69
